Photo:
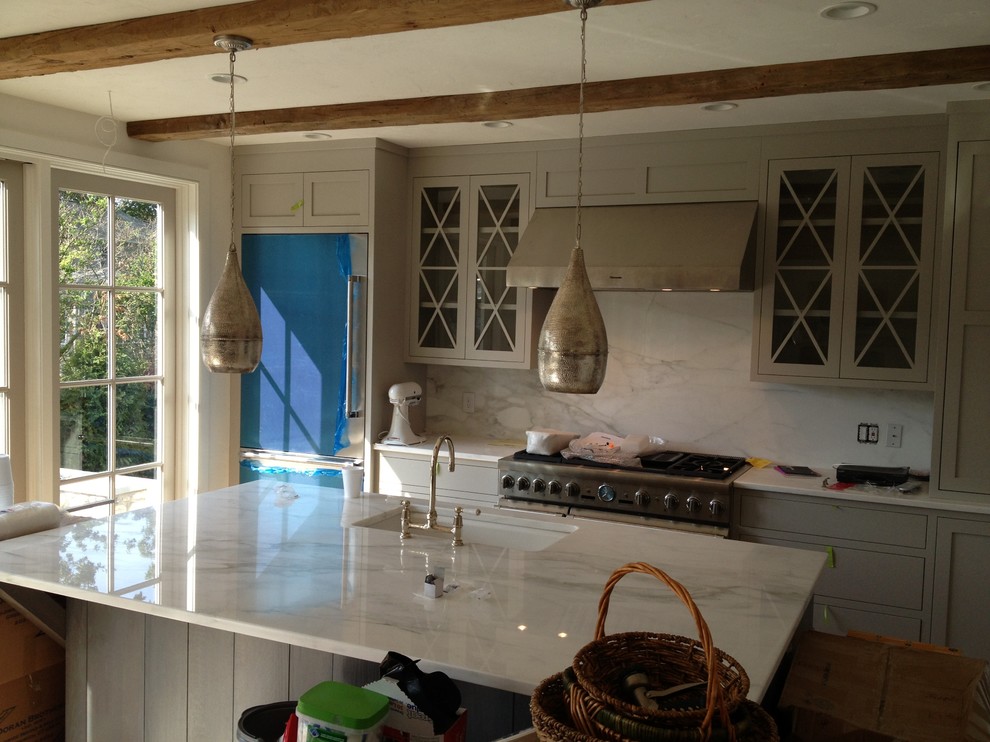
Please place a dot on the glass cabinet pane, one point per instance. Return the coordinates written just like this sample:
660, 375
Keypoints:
803, 275
498, 209
440, 256
890, 258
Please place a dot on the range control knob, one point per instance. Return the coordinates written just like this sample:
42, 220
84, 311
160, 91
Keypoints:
693, 504
522, 484
670, 501
554, 487
642, 498
508, 482
539, 485
606, 493
715, 507
571, 489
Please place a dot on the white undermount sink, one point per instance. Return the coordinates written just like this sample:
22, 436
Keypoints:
485, 529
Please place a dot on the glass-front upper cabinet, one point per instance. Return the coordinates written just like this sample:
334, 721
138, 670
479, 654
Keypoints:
465, 231
847, 270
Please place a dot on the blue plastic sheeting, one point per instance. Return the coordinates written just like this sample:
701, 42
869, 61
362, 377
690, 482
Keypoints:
294, 400
251, 471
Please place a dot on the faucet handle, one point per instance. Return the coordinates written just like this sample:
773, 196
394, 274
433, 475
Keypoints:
458, 526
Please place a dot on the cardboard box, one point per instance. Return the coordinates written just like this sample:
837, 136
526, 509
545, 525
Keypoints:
406, 723
900, 691
32, 681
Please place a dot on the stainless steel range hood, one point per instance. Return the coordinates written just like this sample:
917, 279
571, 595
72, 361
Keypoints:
656, 247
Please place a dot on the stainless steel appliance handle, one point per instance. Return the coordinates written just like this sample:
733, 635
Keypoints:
353, 344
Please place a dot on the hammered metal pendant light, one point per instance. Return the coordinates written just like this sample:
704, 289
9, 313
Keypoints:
573, 346
230, 336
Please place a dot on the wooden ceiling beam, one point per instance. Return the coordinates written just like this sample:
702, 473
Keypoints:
877, 72
268, 23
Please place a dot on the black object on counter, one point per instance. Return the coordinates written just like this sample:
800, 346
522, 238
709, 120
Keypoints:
881, 476
435, 694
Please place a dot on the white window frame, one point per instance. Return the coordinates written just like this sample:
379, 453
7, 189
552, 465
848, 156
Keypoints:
12, 334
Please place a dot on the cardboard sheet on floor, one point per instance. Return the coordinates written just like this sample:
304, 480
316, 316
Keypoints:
32, 681
904, 691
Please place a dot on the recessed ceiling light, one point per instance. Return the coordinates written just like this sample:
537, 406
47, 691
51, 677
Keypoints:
719, 106
317, 135
498, 124
224, 78
847, 11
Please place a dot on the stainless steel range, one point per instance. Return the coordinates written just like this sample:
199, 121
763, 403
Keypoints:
673, 489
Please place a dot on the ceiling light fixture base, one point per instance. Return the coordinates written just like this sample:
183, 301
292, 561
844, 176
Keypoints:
232, 43
584, 4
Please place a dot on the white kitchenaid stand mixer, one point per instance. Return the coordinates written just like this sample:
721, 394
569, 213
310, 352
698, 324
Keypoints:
403, 396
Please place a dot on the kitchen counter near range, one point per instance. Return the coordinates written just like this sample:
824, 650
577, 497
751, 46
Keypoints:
488, 450
253, 560
771, 480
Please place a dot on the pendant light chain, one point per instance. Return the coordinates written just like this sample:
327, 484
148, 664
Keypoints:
233, 120
584, 78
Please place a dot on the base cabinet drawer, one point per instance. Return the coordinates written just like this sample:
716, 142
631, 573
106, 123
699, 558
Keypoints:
831, 520
875, 577
838, 619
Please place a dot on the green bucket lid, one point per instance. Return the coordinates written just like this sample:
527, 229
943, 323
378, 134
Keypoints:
343, 705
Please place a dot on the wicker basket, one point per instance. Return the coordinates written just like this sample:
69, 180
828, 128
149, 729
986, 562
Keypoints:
588, 701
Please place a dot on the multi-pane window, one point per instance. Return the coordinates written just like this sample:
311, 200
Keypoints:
111, 372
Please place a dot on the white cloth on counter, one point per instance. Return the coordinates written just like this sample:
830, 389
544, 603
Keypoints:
546, 441
28, 517
606, 448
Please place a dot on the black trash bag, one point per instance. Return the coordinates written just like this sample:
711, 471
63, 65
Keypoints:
435, 694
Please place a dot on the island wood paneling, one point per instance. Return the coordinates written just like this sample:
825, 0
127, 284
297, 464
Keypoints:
138, 677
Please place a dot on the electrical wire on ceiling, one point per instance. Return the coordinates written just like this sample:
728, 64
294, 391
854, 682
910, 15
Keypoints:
106, 132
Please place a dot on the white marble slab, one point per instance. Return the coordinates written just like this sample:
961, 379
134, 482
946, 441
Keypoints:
249, 560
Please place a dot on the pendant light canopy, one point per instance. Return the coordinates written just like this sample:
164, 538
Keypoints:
573, 346
230, 335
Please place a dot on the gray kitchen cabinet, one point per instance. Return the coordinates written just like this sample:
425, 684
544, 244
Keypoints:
962, 586
317, 199
877, 577
465, 229
963, 406
847, 271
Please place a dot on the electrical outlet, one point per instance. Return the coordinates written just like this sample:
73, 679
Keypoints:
895, 432
868, 433
467, 402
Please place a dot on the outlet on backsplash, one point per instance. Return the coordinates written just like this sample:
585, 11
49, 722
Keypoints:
868, 433
467, 402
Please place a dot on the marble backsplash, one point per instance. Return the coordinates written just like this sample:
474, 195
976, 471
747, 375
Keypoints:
679, 367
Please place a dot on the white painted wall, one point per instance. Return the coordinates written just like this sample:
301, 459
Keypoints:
679, 368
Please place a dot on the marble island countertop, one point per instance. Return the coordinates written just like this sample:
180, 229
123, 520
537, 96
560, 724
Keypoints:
252, 560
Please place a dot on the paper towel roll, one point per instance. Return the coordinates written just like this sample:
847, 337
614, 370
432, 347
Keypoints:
28, 517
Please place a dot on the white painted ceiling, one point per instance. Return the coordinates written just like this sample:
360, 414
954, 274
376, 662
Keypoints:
636, 40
